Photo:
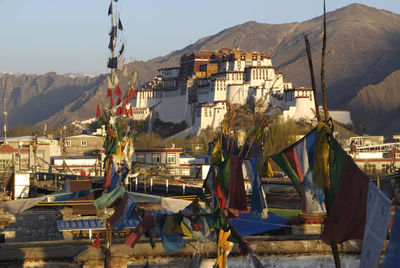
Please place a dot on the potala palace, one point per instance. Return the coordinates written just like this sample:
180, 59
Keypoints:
197, 92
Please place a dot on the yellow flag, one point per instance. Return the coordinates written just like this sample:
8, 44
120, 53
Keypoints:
264, 166
185, 230
217, 152
321, 157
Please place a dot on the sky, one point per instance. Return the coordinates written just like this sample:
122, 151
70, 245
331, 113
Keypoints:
71, 36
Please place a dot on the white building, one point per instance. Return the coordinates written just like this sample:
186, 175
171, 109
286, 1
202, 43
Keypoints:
198, 91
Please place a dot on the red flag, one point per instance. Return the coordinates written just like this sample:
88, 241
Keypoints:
97, 243
119, 100
109, 93
98, 111
124, 109
237, 193
83, 173
111, 101
146, 224
346, 218
265, 121
119, 111
130, 112
118, 91
132, 93
255, 119
107, 180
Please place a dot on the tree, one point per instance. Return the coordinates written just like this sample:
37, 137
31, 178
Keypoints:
149, 140
280, 134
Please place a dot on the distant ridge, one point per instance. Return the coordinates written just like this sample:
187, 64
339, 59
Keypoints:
363, 48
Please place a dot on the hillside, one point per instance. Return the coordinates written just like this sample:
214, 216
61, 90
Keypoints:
378, 106
363, 48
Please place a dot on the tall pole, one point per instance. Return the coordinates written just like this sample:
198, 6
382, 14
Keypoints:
308, 49
108, 227
5, 118
326, 114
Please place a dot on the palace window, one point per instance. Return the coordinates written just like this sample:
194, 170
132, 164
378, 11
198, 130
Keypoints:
83, 142
156, 158
171, 159
140, 158
67, 143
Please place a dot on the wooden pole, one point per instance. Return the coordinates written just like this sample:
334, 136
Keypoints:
326, 114
108, 246
312, 77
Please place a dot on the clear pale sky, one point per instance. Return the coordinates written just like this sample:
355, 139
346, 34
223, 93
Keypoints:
38, 36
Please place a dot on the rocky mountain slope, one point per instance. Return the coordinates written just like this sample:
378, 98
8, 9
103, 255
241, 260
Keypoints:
363, 48
378, 106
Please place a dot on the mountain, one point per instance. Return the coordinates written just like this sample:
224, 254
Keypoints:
378, 105
363, 48
50, 98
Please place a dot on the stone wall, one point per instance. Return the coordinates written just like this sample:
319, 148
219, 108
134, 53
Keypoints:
32, 227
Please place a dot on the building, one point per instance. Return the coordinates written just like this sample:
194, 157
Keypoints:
197, 92
165, 157
76, 165
83, 145
373, 155
28, 153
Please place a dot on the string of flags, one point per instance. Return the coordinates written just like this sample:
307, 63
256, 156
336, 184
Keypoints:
316, 164
357, 208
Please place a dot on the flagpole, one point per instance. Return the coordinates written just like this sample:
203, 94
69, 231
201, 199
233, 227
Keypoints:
308, 49
334, 247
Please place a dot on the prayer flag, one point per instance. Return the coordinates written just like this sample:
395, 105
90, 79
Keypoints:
110, 9
346, 217
122, 49
112, 63
392, 258
111, 101
98, 111
224, 173
111, 43
97, 243
259, 207
120, 27
320, 177
109, 84
115, 81
130, 112
113, 31
132, 93
121, 64
376, 225
107, 199
109, 92
146, 224
297, 161
118, 210
118, 91
237, 193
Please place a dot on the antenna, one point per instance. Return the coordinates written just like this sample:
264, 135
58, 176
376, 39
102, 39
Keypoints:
5, 119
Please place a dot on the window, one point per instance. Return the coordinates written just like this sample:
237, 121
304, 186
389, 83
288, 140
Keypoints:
156, 158
67, 143
83, 142
140, 158
170, 158
385, 168
5, 163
